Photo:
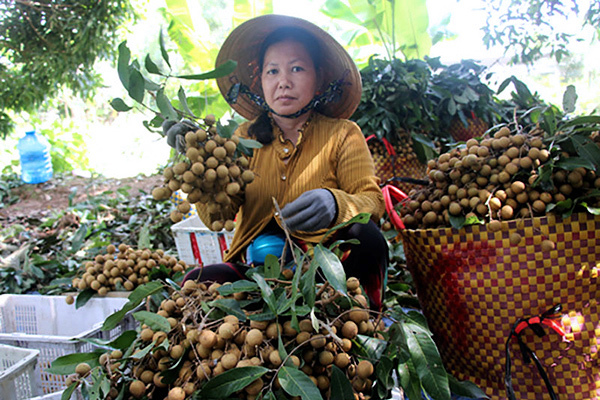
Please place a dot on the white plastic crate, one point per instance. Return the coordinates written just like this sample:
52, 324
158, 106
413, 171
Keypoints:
50, 325
192, 233
18, 375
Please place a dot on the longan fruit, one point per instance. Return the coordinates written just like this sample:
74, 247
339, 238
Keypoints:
341, 360
230, 147
358, 315
275, 358
177, 393
176, 216
495, 225
82, 369
226, 331
232, 188
70, 299
229, 360
247, 176
229, 225
220, 153
254, 337
208, 338
234, 171
364, 369
326, 358
548, 245
137, 388
515, 238
349, 329
184, 207
352, 283
210, 175
217, 226
222, 171
180, 168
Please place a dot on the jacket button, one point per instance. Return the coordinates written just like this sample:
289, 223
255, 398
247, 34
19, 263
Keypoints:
283, 177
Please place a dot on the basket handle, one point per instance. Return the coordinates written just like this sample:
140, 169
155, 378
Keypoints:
391, 193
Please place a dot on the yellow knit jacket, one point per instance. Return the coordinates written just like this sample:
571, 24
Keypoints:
330, 153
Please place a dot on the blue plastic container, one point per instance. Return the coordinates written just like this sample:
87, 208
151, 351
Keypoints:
264, 244
34, 152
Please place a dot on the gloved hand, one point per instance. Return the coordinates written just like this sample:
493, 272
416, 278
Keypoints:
311, 211
175, 133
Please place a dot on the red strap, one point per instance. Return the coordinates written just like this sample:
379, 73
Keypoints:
195, 249
222, 244
390, 192
386, 143
537, 320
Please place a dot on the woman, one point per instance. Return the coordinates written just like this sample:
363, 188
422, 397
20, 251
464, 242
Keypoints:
296, 85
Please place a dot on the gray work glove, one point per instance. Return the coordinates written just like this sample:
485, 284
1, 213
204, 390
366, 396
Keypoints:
311, 211
175, 133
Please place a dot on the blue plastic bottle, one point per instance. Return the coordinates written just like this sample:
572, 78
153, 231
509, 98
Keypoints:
34, 151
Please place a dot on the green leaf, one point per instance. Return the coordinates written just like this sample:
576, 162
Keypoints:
307, 284
370, 347
250, 143
587, 149
151, 66
272, 268
569, 99
361, 218
123, 64
428, 364
332, 267
237, 287
457, 221
229, 382
265, 289
136, 85
165, 107
341, 388
65, 365
574, 162
163, 50
229, 306
154, 321
383, 371
135, 299
144, 238
83, 297
68, 392
222, 70
228, 130
297, 383
465, 389
119, 105
183, 100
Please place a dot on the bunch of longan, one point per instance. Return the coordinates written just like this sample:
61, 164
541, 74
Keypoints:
212, 172
199, 347
123, 267
495, 179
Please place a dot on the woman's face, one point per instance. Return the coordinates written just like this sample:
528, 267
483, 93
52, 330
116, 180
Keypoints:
289, 78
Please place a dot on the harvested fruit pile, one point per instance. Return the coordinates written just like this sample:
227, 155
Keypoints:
212, 171
205, 331
123, 268
507, 176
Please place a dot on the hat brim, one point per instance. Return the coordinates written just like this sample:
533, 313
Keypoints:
243, 45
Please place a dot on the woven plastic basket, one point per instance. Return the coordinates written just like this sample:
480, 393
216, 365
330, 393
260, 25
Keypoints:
473, 285
18, 377
388, 165
50, 325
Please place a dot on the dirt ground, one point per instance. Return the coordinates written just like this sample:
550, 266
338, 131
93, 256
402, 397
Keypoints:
39, 200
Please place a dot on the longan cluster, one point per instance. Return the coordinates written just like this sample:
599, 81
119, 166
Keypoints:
212, 173
495, 179
124, 269
202, 348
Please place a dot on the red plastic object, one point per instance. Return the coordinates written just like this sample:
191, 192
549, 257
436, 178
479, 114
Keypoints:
391, 196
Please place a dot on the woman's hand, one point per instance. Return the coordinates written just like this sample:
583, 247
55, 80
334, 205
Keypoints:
175, 133
313, 210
